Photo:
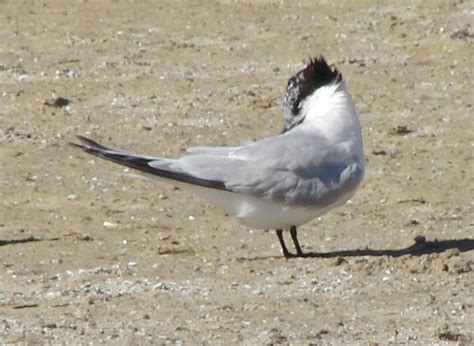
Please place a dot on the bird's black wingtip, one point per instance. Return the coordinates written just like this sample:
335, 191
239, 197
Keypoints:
141, 163
89, 144
76, 145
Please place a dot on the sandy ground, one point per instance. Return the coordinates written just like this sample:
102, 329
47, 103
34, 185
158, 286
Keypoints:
90, 255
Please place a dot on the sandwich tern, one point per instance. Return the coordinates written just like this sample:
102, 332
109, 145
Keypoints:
281, 182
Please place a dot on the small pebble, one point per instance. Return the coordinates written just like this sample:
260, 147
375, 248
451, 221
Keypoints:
108, 224
338, 261
57, 102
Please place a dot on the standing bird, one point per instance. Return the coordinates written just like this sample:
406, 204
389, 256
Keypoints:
279, 182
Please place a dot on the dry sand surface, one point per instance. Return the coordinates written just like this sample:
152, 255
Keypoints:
89, 255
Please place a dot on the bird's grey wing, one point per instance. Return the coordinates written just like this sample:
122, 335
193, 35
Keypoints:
290, 168
293, 168
236, 166
218, 151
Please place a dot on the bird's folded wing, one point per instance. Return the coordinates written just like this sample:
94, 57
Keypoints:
290, 168
220, 151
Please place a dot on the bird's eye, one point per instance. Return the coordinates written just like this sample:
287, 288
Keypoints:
296, 109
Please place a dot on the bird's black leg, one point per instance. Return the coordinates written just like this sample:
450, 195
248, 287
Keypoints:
279, 233
295, 241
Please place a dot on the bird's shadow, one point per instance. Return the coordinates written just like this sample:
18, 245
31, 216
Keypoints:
23, 241
419, 248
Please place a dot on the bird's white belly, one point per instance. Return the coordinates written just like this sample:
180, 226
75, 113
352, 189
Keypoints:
260, 213
264, 214
268, 215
